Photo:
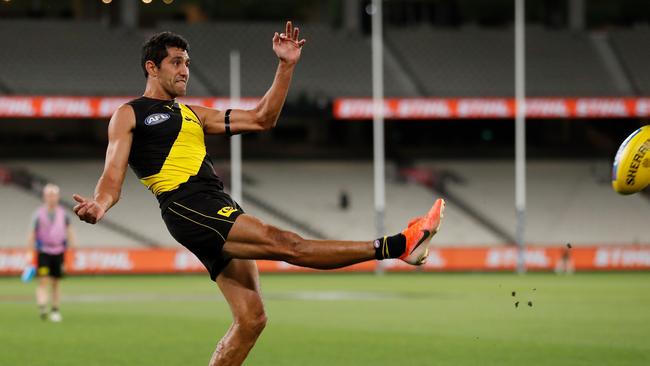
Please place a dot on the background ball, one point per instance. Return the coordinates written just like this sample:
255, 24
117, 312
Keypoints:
631, 170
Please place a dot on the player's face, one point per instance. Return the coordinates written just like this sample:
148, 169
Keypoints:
174, 71
51, 197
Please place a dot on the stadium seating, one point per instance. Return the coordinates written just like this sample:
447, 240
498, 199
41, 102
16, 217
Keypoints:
630, 46
313, 191
333, 64
419, 61
578, 194
136, 212
567, 202
16, 223
72, 58
480, 62
583, 208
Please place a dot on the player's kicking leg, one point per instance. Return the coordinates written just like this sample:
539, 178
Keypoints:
250, 238
239, 283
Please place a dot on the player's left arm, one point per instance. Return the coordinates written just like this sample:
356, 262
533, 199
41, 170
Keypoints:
287, 46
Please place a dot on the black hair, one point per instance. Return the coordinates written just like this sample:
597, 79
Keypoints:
155, 49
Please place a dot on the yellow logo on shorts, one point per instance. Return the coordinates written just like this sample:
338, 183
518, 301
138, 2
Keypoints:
43, 271
227, 211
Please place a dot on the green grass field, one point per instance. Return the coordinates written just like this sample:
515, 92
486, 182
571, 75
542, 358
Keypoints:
339, 319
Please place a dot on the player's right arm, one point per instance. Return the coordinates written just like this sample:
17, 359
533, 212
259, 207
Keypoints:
109, 186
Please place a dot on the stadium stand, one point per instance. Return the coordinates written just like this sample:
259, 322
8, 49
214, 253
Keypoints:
480, 62
456, 63
15, 223
72, 58
427, 62
567, 202
439, 62
630, 46
141, 213
136, 212
334, 64
315, 188
584, 208
566, 65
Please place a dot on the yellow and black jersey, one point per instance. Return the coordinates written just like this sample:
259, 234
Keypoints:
168, 151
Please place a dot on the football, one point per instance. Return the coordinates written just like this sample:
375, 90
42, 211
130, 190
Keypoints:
631, 170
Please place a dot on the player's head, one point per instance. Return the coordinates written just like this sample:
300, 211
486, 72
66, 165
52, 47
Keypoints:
51, 194
166, 62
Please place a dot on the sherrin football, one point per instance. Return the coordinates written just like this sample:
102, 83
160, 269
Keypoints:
631, 171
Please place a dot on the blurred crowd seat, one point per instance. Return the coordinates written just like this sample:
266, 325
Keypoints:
87, 58
567, 202
48, 57
479, 62
631, 45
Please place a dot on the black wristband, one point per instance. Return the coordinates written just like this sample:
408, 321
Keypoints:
227, 120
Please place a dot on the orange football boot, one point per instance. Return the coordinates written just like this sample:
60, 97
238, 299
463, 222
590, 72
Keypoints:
419, 233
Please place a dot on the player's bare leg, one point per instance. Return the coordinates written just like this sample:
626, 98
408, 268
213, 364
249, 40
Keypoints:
56, 293
55, 315
250, 238
41, 295
239, 283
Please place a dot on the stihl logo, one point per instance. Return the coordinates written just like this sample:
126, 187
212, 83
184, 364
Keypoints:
628, 258
601, 108
108, 105
435, 260
642, 107
497, 258
12, 262
423, 108
354, 108
18, 107
66, 107
184, 260
483, 108
546, 108
98, 260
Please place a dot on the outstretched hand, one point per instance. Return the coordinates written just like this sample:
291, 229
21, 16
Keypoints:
88, 210
287, 45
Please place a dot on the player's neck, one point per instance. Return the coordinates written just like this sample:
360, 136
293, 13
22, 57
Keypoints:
155, 91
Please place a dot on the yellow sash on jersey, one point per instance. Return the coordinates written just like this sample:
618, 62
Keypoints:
185, 156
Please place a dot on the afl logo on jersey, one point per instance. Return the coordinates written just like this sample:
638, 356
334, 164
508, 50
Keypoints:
155, 119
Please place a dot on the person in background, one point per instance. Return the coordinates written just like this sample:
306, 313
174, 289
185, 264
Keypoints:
50, 236
565, 264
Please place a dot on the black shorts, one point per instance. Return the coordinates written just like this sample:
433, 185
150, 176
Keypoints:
50, 265
201, 222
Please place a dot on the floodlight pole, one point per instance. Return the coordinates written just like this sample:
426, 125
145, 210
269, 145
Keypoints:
235, 141
378, 120
520, 132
